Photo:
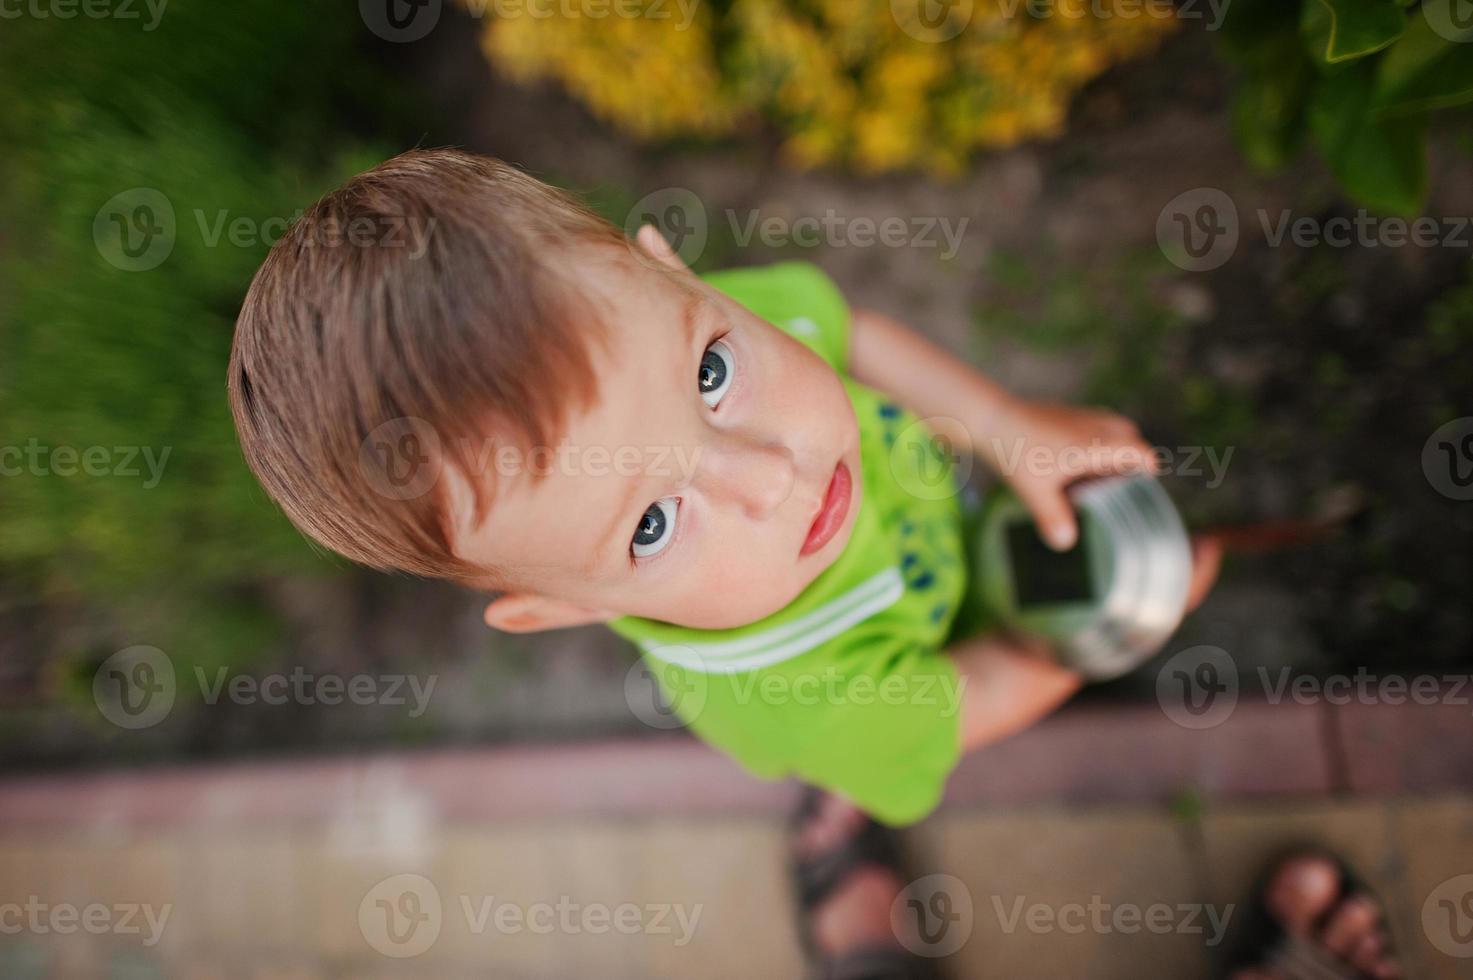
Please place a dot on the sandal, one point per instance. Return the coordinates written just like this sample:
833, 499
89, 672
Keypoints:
1260, 941
817, 876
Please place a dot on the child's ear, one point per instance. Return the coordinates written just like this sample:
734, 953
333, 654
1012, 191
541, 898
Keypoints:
653, 244
527, 612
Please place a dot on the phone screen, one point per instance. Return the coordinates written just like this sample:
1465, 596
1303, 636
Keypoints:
1044, 576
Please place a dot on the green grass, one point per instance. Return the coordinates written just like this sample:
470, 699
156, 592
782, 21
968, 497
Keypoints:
241, 109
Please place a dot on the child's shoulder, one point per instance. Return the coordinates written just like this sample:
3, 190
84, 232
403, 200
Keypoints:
797, 297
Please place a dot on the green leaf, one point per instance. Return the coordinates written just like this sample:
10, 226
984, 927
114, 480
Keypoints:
1382, 163
1269, 103
1431, 67
1343, 30
1261, 39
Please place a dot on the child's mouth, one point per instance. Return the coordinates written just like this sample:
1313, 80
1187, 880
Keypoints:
831, 515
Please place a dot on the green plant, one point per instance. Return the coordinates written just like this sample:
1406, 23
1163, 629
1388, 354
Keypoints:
1362, 77
869, 84
226, 112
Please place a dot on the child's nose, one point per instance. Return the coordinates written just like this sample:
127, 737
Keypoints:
758, 477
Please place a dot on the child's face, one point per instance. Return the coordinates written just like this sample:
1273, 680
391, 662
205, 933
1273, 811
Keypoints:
716, 476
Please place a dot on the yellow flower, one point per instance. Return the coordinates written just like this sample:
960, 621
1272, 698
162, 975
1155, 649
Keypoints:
845, 80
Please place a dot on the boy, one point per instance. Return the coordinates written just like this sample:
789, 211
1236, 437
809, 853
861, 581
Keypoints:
528, 404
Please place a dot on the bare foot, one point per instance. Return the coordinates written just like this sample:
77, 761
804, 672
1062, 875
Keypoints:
1325, 929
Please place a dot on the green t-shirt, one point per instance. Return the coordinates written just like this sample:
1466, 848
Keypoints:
847, 686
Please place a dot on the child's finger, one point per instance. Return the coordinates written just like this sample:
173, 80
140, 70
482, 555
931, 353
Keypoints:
1206, 561
1140, 457
1131, 456
1132, 453
1054, 516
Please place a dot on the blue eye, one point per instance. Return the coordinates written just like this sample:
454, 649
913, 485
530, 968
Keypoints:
656, 528
718, 370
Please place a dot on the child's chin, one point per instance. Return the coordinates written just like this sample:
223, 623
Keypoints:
728, 616
741, 607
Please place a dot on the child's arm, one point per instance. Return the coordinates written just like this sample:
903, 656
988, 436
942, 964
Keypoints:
1038, 447
1009, 682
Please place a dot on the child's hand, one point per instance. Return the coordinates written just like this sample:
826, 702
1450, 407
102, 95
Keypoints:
1038, 447
1046, 446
